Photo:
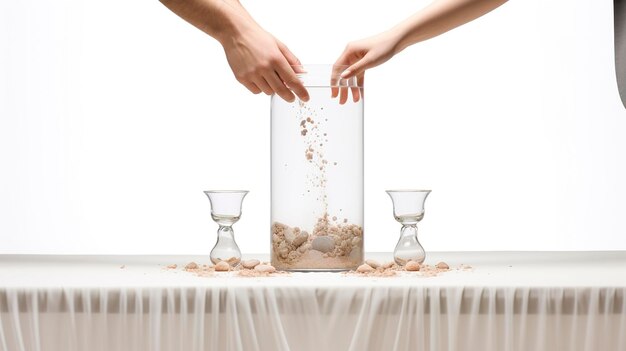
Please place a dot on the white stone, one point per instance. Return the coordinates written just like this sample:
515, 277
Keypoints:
249, 264
323, 244
373, 263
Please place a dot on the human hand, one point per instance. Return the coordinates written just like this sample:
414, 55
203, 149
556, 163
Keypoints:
263, 64
359, 56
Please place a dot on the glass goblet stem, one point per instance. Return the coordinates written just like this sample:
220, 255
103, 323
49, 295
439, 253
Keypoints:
226, 249
408, 247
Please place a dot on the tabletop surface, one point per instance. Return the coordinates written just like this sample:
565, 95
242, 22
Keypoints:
489, 269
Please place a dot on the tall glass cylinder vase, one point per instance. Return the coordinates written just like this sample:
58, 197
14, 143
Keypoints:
317, 174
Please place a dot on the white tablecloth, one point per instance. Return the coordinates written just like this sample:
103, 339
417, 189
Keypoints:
509, 301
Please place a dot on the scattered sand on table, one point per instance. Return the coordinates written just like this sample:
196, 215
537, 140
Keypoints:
191, 265
247, 268
465, 267
372, 268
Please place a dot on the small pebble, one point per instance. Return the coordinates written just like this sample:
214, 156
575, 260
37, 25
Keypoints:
222, 266
412, 266
265, 268
373, 263
233, 261
191, 265
365, 268
388, 265
300, 239
442, 265
249, 264
172, 266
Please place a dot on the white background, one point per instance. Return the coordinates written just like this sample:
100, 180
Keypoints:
115, 115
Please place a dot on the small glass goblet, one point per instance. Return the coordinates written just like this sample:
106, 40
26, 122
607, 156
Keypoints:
225, 211
408, 209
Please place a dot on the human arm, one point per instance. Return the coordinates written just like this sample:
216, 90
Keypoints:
435, 19
258, 60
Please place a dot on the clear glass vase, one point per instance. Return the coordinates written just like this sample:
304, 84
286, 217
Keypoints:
317, 174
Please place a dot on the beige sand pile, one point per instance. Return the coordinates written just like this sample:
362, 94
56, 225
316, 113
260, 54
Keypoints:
192, 267
330, 245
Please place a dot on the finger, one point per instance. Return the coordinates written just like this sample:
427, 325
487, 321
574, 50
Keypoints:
336, 81
343, 95
262, 84
357, 68
293, 61
288, 76
360, 81
357, 90
291, 58
356, 95
279, 87
334, 77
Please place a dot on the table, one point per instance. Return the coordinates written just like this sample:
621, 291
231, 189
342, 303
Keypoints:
508, 301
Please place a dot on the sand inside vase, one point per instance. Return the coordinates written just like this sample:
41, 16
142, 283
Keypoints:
329, 246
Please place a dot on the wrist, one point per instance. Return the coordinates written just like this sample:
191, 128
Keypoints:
236, 31
401, 37
232, 24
